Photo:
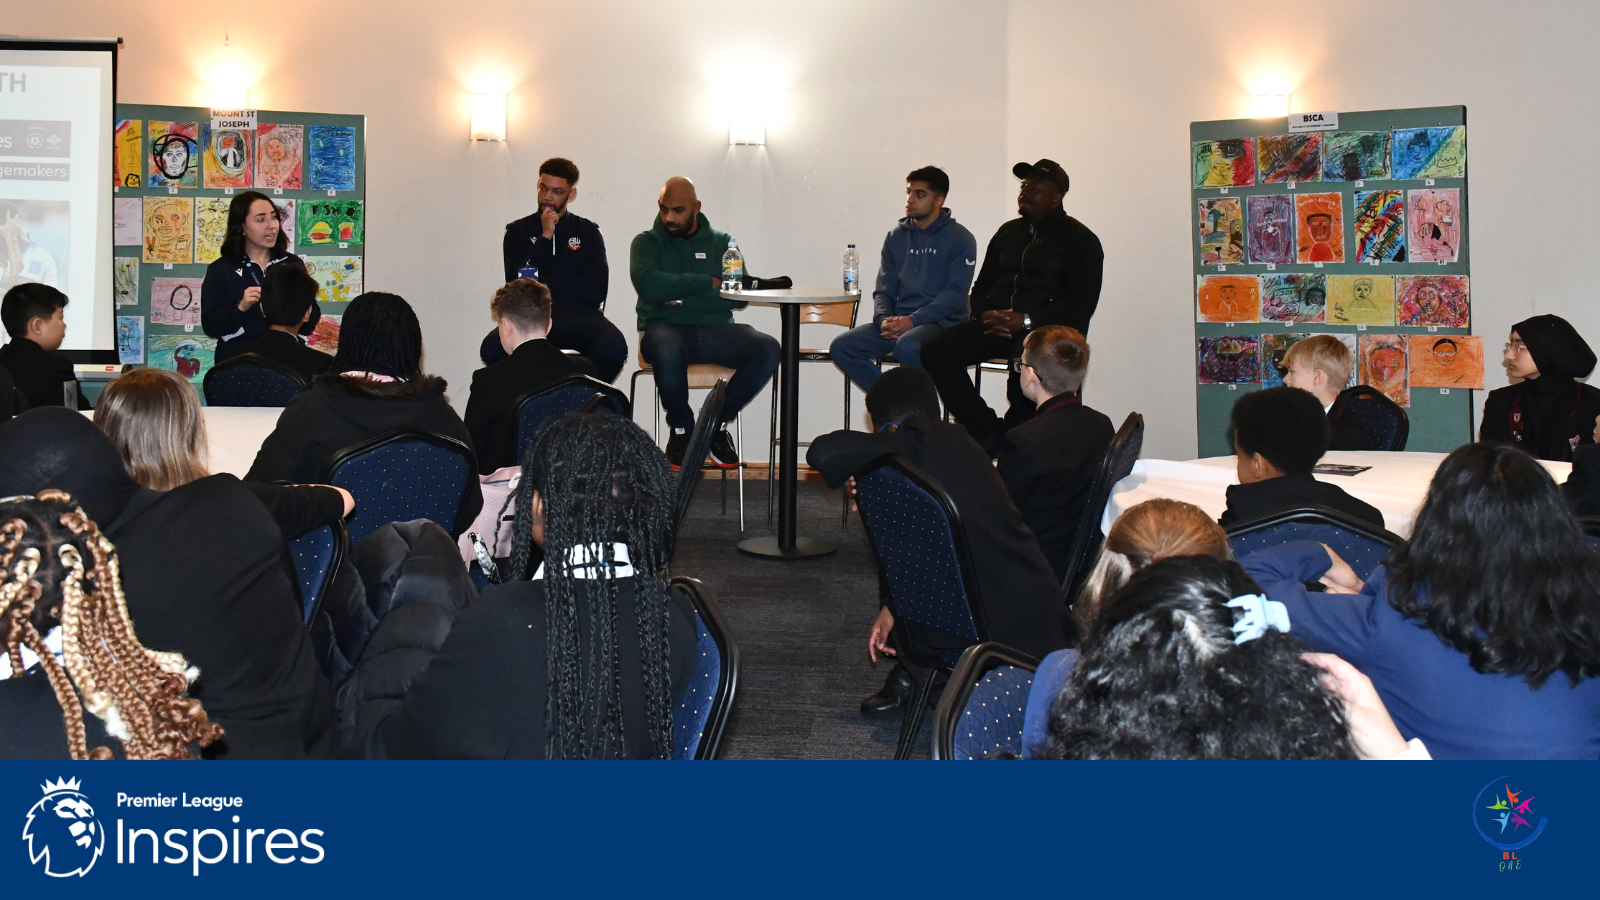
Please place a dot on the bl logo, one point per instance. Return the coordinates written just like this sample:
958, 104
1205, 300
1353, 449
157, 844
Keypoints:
61, 830
1504, 817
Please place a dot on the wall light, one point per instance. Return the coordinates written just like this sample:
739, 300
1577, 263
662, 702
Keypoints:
488, 117
1269, 106
746, 128
230, 98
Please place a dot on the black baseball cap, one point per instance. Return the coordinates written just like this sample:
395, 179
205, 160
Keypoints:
1043, 170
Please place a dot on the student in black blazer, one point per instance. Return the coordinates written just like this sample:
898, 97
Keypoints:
33, 317
1321, 365
1582, 487
288, 293
1049, 463
1021, 596
1279, 434
522, 315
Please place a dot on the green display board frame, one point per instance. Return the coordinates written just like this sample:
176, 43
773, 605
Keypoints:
148, 272
1440, 418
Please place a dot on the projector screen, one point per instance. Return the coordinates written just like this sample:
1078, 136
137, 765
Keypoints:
57, 102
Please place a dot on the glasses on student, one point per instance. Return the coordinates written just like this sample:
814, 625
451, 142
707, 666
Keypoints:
1017, 364
1515, 347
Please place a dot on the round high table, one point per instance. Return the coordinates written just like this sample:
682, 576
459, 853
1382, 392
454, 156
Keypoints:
786, 543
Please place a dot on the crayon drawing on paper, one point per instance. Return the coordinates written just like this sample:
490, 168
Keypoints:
1231, 359
1294, 297
280, 150
1430, 152
1384, 367
1229, 163
228, 153
331, 221
1221, 231
128, 155
1447, 361
191, 356
125, 280
1433, 219
1270, 224
1355, 155
210, 227
130, 340
175, 301
169, 230
338, 277
325, 336
173, 151
1380, 226
1273, 348
331, 157
1282, 158
1227, 298
1361, 300
1319, 228
1442, 300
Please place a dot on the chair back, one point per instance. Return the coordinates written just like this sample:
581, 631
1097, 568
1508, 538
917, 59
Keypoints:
916, 533
1361, 544
980, 713
316, 555
571, 393
1121, 454
250, 379
700, 717
1384, 421
403, 475
694, 457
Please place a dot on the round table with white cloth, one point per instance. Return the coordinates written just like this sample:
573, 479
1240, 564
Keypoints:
1396, 484
234, 434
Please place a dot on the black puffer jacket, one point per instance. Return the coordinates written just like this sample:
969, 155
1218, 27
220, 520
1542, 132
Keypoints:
1050, 271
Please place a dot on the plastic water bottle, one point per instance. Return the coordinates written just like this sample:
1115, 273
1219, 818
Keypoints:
852, 269
732, 268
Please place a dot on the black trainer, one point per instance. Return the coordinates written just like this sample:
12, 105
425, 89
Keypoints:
723, 455
677, 445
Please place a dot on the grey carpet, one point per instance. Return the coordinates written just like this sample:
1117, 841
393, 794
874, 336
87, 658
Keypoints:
801, 626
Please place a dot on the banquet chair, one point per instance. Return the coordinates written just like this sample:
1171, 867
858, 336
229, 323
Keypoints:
1359, 543
702, 376
811, 314
1384, 421
250, 379
317, 554
571, 393
921, 547
402, 475
694, 456
1121, 454
980, 713
700, 718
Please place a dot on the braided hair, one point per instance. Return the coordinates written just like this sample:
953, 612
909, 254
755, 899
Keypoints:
50, 551
380, 334
602, 480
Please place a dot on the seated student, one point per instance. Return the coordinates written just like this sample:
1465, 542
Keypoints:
1049, 463
1279, 434
288, 294
1549, 413
1020, 594
522, 315
376, 386
137, 698
1148, 532
1320, 365
32, 315
202, 569
589, 657
1484, 647
153, 417
1582, 487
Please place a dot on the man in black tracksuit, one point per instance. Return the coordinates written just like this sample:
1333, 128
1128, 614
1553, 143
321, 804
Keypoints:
1041, 269
570, 258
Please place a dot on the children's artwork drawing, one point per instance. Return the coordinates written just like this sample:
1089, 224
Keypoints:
175, 301
174, 154
1442, 300
1349, 342
168, 229
125, 280
1319, 228
286, 216
1380, 226
1430, 152
1383, 365
1360, 300
338, 277
1447, 361
1230, 163
1293, 298
325, 336
188, 355
126, 221
1221, 231
210, 227
130, 340
1355, 155
1282, 158
279, 152
1434, 224
332, 158
1270, 224
128, 152
228, 156
1227, 298
1230, 359
331, 222
1273, 349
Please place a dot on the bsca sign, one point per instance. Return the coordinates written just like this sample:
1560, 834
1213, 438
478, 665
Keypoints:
1313, 121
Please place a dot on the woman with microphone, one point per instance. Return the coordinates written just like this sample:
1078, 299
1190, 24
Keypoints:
230, 297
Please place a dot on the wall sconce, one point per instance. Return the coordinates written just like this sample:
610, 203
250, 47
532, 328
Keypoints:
488, 117
745, 128
1269, 106
230, 98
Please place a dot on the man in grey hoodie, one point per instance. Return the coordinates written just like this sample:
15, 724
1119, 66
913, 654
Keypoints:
926, 270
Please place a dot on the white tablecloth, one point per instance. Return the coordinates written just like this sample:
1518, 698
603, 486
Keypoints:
1396, 483
234, 434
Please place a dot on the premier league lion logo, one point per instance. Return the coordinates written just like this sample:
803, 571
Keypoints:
61, 830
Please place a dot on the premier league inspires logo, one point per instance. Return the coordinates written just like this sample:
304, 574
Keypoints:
61, 830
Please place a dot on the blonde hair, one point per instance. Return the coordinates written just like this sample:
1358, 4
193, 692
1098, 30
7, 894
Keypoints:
1325, 352
153, 418
1151, 531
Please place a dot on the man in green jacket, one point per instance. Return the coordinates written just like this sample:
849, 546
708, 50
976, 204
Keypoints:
676, 268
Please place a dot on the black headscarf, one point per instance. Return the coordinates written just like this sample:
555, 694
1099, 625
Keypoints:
1556, 347
55, 447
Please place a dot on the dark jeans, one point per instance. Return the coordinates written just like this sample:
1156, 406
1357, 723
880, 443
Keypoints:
947, 357
671, 349
587, 331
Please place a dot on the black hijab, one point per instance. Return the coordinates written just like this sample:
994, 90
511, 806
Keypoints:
55, 447
1550, 404
1556, 347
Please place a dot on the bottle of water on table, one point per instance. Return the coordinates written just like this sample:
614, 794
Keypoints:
852, 269
732, 267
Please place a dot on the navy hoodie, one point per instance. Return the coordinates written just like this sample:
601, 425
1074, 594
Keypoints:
926, 273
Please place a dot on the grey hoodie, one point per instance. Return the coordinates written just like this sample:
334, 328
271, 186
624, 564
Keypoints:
926, 273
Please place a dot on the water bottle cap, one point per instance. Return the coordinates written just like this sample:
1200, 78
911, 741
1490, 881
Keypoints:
732, 241
850, 246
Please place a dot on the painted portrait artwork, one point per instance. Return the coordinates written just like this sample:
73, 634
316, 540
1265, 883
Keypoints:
1269, 223
1230, 359
1293, 297
1319, 228
228, 157
1433, 225
1430, 152
1230, 163
1383, 365
173, 154
1380, 225
168, 230
280, 150
1221, 231
1447, 361
1442, 300
210, 227
1355, 155
1227, 298
1361, 300
1282, 158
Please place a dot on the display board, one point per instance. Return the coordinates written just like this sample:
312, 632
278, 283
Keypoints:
1360, 232
177, 168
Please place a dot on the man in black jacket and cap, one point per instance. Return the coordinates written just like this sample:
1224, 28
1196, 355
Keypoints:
1043, 268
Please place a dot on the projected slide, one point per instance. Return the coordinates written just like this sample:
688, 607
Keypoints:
56, 101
